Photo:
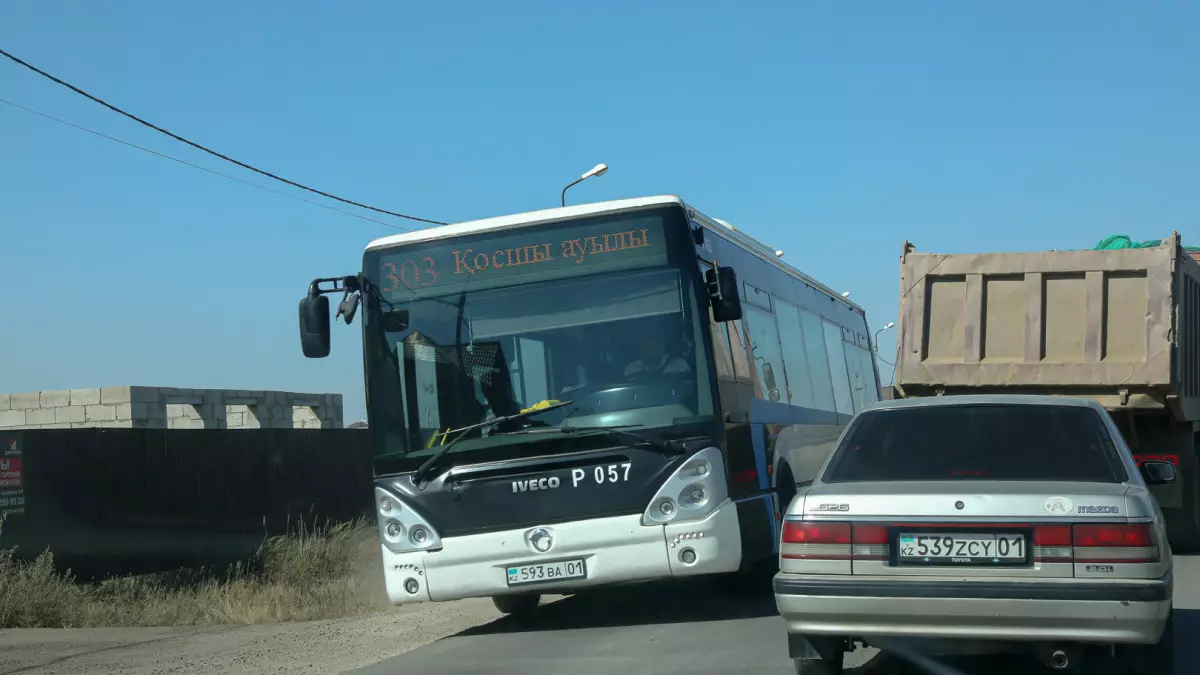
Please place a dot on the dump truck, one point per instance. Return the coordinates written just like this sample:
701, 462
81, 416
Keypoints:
1121, 327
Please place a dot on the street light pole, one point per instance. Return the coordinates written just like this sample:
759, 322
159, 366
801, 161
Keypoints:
598, 170
889, 325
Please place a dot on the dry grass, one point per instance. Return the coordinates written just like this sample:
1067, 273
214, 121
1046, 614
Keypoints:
313, 574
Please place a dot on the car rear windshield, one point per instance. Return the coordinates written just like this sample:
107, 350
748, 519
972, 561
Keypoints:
978, 442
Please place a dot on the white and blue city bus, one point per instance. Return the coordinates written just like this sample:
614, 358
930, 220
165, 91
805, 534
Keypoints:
594, 394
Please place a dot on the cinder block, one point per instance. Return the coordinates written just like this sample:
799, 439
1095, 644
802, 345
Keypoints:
57, 425
85, 397
59, 398
114, 395
39, 416
12, 418
125, 411
27, 401
5, 402
100, 413
73, 413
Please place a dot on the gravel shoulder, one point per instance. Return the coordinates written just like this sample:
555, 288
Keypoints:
330, 646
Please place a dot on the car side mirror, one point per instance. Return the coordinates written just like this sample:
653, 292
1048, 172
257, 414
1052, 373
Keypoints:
1157, 473
314, 326
723, 294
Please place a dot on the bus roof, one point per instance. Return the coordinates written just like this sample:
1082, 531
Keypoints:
529, 218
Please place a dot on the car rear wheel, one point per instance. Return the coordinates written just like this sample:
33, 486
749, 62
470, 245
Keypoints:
1154, 659
517, 605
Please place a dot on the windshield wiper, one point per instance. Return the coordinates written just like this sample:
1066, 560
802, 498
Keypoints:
619, 431
420, 473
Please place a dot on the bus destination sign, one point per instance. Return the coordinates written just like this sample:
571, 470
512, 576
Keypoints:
413, 271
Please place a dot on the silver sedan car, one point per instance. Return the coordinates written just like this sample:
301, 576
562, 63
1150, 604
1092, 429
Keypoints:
979, 524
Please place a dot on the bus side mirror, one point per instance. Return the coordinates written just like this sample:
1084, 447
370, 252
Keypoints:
314, 326
723, 294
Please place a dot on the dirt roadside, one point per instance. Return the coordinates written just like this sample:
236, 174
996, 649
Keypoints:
331, 646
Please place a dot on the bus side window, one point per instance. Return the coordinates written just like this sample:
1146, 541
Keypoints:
721, 352
768, 361
837, 369
818, 363
737, 345
794, 358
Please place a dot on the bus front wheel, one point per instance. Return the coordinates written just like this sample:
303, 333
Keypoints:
517, 605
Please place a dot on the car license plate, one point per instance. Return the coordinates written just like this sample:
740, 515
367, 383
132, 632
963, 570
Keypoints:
962, 549
561, 570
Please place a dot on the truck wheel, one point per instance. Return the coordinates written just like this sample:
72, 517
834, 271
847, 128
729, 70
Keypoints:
519, 606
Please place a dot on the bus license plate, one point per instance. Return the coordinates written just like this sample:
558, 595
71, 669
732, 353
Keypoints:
562, 570
962, 549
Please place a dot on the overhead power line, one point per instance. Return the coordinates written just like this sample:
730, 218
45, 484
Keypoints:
201, 168
214, 153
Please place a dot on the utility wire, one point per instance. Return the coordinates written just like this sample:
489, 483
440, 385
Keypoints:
214, 153
201, 168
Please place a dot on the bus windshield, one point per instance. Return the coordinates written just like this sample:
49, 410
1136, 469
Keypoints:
599, 318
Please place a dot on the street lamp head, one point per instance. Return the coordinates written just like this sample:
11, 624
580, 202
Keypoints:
890, 324
598, 170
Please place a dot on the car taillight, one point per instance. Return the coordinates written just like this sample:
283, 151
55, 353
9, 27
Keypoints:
833, 541
1052, 543
815, 540
1112, 543
870, 542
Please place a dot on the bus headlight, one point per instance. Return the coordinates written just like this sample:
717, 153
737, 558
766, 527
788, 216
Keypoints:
694, 495
401, 528
419, 536
695, 489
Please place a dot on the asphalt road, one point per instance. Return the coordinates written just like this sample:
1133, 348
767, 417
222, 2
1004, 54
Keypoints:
692, 628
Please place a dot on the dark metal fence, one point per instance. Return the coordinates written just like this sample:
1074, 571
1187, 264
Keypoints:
152, 499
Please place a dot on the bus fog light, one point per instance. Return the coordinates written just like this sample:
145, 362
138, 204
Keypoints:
667, 508
394, 529
411, 586
687, 556
419, 536
694, 495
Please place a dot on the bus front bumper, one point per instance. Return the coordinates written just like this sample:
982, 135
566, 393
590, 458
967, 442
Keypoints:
611, 550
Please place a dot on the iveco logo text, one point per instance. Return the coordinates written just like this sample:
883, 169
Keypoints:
832, 507
1099, 509
610, 473
534, 484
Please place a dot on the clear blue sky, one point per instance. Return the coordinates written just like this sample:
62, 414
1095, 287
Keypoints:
829, 130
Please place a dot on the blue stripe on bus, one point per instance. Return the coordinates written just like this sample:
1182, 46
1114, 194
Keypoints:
770, 412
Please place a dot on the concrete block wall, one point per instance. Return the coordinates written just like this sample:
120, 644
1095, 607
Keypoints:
169, 408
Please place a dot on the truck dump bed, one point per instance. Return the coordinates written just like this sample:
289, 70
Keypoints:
1122, 326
